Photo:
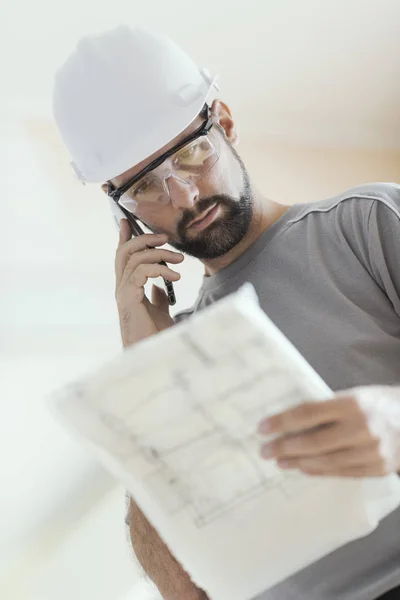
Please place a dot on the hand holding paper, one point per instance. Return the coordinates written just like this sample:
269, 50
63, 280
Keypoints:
356, 434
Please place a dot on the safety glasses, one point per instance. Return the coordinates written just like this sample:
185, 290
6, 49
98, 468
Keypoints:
190, 159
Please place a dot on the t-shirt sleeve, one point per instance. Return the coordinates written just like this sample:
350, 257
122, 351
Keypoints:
384, 248
183, 315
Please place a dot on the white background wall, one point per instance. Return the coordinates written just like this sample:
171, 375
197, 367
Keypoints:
315, 89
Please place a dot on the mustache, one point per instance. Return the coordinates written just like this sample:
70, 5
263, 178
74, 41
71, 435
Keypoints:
201, 206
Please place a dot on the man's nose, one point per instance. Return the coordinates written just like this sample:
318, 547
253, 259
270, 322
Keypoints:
183, 194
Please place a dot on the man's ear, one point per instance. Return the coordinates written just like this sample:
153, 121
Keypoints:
104, 187
223, 116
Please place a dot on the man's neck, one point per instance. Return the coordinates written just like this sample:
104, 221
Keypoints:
265, 213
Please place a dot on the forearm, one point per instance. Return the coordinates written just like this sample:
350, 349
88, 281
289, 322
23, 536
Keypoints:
155, 558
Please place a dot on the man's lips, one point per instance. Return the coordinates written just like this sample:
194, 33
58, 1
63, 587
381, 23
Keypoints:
197, 221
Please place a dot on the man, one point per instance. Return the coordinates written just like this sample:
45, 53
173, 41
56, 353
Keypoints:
136, 115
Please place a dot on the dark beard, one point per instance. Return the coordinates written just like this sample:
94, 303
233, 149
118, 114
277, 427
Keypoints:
224, 233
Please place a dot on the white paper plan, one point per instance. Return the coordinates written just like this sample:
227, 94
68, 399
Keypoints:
174, 419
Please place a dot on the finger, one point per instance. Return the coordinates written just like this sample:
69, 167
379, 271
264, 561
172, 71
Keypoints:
159, 298
305, 416
142, 273
143, 253
316, 441
128, 244
147, 240
341, 459
125, 252
125, 232
134, 245
151, 256
371, 470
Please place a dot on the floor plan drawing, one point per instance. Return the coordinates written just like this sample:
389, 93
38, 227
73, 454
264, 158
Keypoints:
195, 427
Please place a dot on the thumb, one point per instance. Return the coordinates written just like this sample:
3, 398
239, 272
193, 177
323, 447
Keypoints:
159, 298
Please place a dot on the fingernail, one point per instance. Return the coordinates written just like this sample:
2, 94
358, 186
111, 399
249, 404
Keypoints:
267, 452
264, 427
284, 464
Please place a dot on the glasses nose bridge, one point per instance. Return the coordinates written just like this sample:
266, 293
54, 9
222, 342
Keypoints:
185, 193
170, 174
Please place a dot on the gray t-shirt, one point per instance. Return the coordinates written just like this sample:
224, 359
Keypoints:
328, 275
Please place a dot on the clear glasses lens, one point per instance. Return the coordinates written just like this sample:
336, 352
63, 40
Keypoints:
193, 160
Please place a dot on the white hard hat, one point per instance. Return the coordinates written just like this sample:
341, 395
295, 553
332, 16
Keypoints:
123, 95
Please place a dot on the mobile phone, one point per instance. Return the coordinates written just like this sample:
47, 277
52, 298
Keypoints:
119, 213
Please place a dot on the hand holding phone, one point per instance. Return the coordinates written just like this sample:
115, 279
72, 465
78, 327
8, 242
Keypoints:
137, 260
118, 214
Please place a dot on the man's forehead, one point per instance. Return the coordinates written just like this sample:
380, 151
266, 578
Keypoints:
125, 177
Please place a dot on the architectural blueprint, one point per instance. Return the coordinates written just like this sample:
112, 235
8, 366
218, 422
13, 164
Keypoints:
175, 419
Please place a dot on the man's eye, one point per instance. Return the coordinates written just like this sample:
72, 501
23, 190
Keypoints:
187, 154
141, 188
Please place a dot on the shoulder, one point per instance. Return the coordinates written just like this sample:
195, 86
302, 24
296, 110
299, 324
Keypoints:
183, 315
186, 313
357, 202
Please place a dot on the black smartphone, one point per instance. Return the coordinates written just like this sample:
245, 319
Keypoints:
120, 213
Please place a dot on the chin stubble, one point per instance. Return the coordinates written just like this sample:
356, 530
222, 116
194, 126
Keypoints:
224, 233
